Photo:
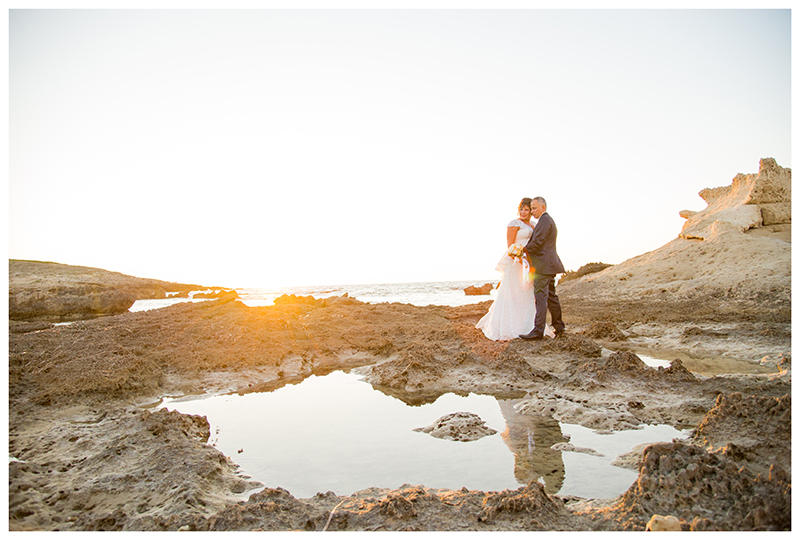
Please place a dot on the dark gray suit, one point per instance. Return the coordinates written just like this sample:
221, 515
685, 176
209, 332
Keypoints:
545, 264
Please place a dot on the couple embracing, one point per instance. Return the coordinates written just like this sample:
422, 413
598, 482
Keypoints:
528, 287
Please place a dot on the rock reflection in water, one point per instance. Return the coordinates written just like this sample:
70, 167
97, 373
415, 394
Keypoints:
530, 439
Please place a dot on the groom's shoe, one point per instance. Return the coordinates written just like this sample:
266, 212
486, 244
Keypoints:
531, 336
559, 333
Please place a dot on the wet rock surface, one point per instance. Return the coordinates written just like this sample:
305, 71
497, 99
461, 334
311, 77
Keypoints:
750, 430
78, 429
115, 470
407, 508
704, 491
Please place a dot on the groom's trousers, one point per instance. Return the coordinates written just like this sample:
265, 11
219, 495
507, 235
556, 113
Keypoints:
544, 291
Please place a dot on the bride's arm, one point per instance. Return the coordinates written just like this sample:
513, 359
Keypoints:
511, 235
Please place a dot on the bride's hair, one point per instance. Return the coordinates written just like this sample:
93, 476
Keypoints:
525, 202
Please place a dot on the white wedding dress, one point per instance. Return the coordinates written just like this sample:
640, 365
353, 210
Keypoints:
514, 309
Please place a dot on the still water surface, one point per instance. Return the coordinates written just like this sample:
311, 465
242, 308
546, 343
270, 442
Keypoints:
338, 433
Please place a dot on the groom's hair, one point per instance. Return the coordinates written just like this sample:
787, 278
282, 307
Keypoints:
541, 200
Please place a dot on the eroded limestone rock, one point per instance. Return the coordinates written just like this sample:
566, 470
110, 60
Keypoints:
459, 426
751, 201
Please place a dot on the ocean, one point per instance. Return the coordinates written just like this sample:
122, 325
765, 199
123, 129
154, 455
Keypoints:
438, 293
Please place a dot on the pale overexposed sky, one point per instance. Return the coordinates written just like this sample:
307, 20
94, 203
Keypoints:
297, 147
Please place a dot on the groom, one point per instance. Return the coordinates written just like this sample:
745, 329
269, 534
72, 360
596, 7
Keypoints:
545, 264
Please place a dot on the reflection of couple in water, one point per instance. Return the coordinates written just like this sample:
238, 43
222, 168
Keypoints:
531, 438
527, 289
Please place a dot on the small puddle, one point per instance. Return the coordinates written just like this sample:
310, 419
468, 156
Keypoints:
157, 303
708, 367
654, 362
337, 433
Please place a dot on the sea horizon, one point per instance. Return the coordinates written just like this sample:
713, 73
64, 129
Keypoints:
420, 293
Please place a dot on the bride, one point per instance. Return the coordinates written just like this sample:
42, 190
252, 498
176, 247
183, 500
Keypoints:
514, 309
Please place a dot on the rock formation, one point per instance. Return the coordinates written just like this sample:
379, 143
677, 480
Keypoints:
586, 269
663, 523
736, 253
51, 291
459, 426
678, 478
76, 301
217, 294
751, 201
483, 289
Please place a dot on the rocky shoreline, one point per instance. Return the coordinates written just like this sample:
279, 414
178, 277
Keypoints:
52, 292
89, 453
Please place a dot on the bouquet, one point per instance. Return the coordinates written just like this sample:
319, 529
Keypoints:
516, 250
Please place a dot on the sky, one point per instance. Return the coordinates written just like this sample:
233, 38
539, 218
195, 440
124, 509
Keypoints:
281, 147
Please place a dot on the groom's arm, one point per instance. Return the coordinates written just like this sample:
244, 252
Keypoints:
536, 242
